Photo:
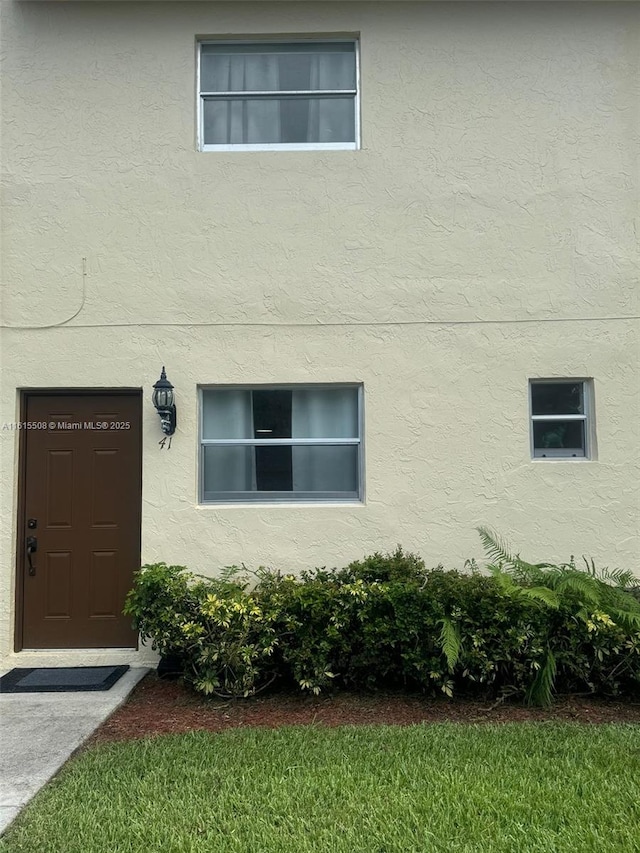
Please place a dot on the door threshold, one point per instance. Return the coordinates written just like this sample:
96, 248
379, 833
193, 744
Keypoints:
86, 651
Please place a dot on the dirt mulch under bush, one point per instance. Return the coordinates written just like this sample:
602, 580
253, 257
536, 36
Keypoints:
158, 707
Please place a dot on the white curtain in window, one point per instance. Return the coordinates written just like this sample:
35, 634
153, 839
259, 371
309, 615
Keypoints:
272, 120
315, 413
243, 121
324, 414
330, 119
227, 414
325, 468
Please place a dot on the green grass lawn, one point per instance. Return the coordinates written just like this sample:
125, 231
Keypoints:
517, 788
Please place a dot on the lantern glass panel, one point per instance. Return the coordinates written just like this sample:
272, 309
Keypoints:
162, 398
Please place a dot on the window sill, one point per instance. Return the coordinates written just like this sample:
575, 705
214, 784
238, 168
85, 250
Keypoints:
287, 504
278, 146
562, 459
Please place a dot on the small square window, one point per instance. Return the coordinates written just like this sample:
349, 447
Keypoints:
278, 95
299, 443
560, 418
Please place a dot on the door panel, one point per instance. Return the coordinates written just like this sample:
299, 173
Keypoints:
82, 487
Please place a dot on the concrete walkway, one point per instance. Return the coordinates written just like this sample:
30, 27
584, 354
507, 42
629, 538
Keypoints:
39, 731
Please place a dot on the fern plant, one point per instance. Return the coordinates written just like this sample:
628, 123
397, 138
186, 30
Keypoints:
593, 593
450, 642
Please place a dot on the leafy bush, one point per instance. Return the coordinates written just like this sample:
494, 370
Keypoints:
523, 629
399, 566
592, 616
161, 601
221, 633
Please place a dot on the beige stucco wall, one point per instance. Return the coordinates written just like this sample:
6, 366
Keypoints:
482, 236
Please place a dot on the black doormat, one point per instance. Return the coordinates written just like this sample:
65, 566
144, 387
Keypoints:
64, 679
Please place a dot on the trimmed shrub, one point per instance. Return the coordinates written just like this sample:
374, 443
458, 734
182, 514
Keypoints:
386, 621
220, 633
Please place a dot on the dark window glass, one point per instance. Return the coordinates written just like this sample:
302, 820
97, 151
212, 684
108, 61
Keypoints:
272, 414
274, 470
557, 398
559, 438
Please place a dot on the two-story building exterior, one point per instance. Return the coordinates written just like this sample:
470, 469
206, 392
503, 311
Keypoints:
385, 252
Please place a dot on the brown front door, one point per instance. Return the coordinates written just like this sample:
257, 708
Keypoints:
80, 532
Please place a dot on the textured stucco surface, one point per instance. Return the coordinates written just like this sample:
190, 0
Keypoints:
481, 237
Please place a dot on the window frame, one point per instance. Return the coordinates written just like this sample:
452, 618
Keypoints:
279, 146
282, 498
587, 418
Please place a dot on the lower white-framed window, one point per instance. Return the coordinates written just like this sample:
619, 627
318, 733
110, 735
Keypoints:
561, 418
281, 443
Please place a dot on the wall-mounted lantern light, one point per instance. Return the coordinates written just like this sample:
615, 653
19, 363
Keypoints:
163, 400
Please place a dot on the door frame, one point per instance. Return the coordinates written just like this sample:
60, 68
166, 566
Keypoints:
24, 394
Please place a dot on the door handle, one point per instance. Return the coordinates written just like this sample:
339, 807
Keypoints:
32, 547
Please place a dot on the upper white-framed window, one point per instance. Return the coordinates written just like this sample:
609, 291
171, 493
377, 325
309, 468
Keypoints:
561, 418
258, 95
281, 443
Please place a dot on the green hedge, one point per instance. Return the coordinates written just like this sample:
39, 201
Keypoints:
521, 630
